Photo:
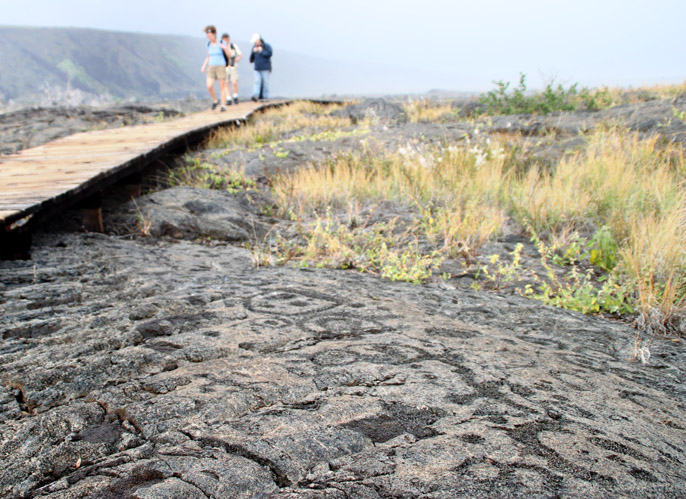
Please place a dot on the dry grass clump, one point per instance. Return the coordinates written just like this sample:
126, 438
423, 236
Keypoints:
604, 97
617, 176
427, 110
453, 191
654, 260
663, 91
275, 124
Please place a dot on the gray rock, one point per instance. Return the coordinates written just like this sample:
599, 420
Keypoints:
171, 488
276, 382
9, 403
379, 110
190, 213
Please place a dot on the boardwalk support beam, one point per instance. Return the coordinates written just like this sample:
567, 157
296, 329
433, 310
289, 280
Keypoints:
91, 211
15, 244
132, 186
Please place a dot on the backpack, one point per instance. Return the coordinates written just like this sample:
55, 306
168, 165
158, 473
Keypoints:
231, 62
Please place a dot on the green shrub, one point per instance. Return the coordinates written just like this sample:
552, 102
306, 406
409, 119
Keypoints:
598, 99
553, 98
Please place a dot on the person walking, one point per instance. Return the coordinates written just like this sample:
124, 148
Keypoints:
215, 64
261, 56
232, 69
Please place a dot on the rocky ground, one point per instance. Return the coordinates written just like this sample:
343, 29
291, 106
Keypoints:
169, 366
547, 137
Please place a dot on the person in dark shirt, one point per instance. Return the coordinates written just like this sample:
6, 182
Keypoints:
261, 56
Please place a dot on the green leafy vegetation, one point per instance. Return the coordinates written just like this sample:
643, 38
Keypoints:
582, 290
497, 273
506, 99
503, 100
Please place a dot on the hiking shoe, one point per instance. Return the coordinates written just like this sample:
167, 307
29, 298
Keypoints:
253, 98
228, 102
214, 105
223, 109
235, 100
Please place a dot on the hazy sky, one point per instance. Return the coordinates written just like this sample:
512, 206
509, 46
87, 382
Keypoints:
616, 42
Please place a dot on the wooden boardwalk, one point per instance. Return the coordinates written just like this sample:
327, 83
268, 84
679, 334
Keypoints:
50, 177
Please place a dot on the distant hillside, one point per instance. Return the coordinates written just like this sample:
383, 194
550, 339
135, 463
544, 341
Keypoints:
45, 66
64, 62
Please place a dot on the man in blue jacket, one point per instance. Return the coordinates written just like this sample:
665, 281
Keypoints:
261, 55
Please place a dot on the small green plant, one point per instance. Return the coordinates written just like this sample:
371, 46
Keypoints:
580, 291
410, 264
267, 210
602, 249
597, 99
500, 101
162, 117
281, 154
498, 273
558, 98
571, 249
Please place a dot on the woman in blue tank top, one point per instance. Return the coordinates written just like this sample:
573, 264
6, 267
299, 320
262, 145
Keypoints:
215, 64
